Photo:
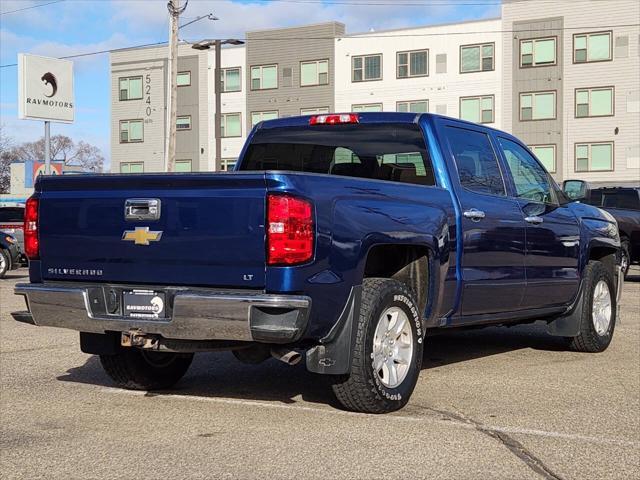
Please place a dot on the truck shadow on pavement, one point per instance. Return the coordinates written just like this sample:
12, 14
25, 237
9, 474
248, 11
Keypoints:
220, 375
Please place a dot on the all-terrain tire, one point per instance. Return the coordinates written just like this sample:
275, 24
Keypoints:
136, 369
589, 339
362, 390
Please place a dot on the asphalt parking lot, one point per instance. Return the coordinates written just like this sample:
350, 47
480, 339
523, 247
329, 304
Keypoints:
491, 403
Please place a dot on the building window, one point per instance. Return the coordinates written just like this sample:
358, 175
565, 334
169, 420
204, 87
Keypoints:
592, 47
547, 156
538, 52
131, 131
231, 125
537, 106
228, 164
182, 166
366, 67
257, 117
132, 167
264, 77
231, 79
314, 111
477, 58
594, 157
183, 122
131, 88
441, 63
412, 64
314, 73
594, 102
416, 106
184, 79
477, 109
366, 107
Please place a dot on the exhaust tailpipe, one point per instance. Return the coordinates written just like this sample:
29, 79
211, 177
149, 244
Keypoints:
290, 357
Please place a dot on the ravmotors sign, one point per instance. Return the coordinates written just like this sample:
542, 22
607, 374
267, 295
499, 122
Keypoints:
45, 88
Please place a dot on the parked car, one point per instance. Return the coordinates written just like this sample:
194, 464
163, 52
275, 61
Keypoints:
343, 237
9, 253
621, 202
11, 221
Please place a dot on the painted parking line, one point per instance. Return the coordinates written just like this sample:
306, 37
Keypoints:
393, 417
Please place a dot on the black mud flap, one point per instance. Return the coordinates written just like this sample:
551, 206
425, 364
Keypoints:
568, 325
333, 355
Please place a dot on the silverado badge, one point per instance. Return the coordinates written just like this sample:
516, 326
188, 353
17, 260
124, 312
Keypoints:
141, 236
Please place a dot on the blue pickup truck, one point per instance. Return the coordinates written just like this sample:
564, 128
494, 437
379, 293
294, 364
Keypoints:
343, 239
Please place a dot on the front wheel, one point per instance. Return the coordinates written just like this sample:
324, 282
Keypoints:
625, 257
599, 310
387, 355
5, 262
136, 369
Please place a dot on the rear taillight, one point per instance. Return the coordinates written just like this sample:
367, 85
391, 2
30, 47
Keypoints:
31, 242
289, 230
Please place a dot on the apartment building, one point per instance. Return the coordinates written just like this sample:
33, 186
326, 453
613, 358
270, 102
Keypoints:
563, 76
571, 86
292, 71
138, 109
445, 69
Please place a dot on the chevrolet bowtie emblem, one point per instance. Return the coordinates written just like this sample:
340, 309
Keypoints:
141, 236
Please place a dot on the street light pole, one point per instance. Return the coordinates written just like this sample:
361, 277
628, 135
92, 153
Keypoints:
217, 119
217, 90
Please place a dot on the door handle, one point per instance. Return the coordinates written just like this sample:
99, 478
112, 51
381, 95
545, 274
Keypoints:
534, 219
142, 209
474, 214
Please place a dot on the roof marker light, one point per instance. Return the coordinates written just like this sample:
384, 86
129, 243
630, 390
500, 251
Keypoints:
334, 119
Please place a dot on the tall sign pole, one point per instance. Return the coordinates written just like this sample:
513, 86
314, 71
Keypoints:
47, 147
172, 74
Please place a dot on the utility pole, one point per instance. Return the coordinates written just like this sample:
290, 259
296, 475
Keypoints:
172, 88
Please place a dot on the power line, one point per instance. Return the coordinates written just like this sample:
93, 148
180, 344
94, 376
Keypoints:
99, 52
362, 36
32, 6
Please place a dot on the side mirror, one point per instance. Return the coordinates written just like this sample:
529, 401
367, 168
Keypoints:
576, 189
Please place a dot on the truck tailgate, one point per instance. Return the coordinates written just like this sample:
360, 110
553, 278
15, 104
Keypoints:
210, 230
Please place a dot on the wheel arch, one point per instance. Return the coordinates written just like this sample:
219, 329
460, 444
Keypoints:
411, 264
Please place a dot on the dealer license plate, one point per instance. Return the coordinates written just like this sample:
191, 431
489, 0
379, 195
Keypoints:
143, 304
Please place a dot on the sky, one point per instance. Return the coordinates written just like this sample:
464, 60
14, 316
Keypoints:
70, 27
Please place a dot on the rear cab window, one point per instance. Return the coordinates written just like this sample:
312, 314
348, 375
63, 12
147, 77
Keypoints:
387, 151
11, 214
625, 199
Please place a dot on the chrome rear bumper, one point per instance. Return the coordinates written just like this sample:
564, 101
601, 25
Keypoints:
195, 314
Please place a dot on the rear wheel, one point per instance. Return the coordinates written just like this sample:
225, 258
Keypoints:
599, 310
387, 355
136, 369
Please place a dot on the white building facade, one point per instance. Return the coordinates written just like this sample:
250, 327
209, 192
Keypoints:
562, 76
445, 69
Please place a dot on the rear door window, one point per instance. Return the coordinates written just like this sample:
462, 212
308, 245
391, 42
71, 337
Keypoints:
476, 161
394, 152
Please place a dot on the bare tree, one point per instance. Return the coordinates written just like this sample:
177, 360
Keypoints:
83, 155
6, 156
